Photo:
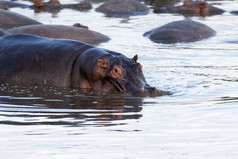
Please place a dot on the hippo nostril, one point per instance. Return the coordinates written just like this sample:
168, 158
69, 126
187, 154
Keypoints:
152, 90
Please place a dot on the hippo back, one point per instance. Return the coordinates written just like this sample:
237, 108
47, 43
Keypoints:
180, 31
10, 19
28, 59
61, 32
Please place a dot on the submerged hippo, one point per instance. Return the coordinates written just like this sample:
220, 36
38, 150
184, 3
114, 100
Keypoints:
33, 60
123, 8
10, 19
51, 6
62, 32
55, 5
11, 4
192, 8
180, 31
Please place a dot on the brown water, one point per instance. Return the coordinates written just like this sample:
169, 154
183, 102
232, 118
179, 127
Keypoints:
198, 121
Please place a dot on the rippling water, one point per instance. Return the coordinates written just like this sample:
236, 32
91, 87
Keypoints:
198, 121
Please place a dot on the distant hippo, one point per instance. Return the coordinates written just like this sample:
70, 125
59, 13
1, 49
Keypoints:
51, 6
180, 31
34, 60
161, 3
123, 8
11, 4
3, 32
62, 32
10, 19
55, 5
192, 8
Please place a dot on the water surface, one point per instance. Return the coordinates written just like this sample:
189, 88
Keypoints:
198, 121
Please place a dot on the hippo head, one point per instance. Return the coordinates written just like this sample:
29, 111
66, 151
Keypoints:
112, 72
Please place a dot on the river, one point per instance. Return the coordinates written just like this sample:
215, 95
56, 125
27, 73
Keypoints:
199, 120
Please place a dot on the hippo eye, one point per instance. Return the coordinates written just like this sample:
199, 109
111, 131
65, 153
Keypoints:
117, 72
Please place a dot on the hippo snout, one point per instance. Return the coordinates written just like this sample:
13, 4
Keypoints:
151, 91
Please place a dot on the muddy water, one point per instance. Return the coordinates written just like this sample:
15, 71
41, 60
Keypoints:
198, 121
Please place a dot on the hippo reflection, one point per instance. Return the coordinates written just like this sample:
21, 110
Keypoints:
66, 106
28, 59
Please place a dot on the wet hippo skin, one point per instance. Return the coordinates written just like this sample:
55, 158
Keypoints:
180, 31
62, 32
192, 8
12, 4
123, 8
10, 19
55, 5
51, 6
33, 60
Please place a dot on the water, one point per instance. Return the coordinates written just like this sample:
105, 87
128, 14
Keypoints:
198, 121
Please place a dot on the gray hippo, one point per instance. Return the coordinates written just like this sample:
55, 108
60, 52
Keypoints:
123, 8
192, 8
62, 32
10, 19
33, 60
55, 6
12, 4
161, 3
180, 31
51, 6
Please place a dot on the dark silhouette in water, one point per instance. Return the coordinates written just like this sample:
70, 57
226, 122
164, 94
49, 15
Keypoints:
116, 8
10, 19
192, 8
180, 31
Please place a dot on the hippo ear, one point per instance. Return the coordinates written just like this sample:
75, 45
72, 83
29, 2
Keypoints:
102, 64
135, 58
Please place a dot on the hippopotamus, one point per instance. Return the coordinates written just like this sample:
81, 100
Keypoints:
3, 32
11, 4
10, 19
55, 5
51, 6
192, 8
161, 3
123, 8
62, 32
180, 31
38, 61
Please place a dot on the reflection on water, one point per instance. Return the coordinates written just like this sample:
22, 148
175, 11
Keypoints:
64, 106
199, 120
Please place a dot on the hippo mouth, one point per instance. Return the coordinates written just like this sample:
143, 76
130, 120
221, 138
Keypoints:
118, 85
